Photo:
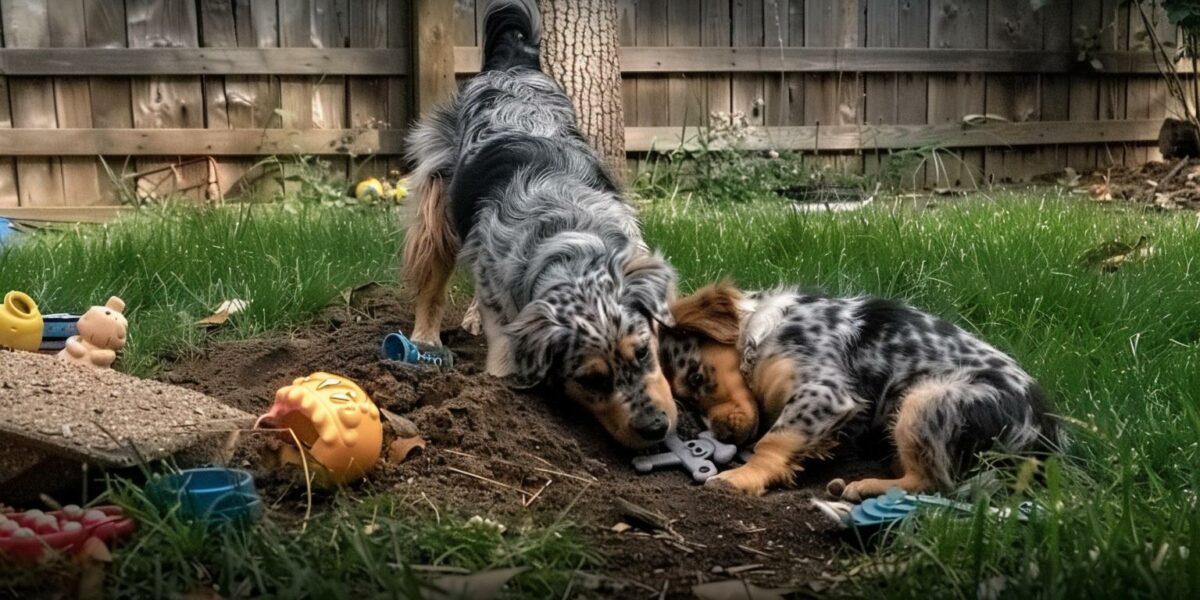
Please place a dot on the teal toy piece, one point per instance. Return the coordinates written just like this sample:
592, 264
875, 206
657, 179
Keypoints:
212, 495
397, 346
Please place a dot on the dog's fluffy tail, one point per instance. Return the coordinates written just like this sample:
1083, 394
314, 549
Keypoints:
512, 31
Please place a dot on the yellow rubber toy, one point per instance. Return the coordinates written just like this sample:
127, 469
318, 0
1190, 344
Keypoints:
20, 323
335, 420
367, 187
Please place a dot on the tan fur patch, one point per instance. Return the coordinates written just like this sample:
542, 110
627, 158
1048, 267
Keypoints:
774, 381
627, 346
711, 311
430, 249
774, 463
731, 409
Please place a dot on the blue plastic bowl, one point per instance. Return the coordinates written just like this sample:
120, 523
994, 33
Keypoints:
213, 495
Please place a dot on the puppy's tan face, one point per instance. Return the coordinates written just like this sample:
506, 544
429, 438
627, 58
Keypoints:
623, 386
705, 375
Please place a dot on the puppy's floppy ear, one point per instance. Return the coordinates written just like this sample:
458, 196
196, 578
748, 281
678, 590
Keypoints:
711, 311
649, 285
537, 336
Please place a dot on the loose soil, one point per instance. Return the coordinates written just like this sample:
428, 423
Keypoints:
476, 425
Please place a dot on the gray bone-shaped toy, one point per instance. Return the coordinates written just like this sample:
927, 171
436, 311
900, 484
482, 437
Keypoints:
701, 456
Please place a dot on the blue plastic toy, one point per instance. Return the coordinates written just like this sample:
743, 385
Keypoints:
213, 495
397, 346
895, 505
58, 328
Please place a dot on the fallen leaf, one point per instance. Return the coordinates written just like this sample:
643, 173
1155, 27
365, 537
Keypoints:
402, 448
227, 309
478, 586
371, 288
621, 527
735, 589
94, 558
1069, 178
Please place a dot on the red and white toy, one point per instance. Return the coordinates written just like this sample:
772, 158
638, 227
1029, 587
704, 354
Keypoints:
26, 536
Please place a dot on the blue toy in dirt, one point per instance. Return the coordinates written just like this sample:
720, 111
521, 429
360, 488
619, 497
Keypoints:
397, 346
873, 514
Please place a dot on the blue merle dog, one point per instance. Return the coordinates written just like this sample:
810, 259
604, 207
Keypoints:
569, 297
807, 371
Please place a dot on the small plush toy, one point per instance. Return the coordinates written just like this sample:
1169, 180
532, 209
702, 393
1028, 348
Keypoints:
102, 331
700, 456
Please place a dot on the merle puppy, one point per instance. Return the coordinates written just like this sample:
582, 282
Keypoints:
569, 296
807, 371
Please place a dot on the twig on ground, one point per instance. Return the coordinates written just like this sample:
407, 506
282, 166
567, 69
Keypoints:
490, 480
746, 548
743, 568
638, 515
526, 503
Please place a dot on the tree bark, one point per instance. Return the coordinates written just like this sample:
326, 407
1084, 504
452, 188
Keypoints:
579, 49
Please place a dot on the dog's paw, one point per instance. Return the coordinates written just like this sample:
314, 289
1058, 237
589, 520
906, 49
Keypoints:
836, 488
737, 481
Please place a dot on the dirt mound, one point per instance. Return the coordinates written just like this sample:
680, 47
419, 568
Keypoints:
1171, 185
491, 450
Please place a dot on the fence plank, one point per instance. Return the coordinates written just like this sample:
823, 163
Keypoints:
166, 102
833, 100
1114, 37
885, 137
33, 142
956, 24
26, 24
880, 91
715, 31
652, 91
685, 93
748, 89
9, 196
1055, 89
1084, 92
399, 94
73, 103
368, 96
112, 104
1012, 25
433, 53
1146, 96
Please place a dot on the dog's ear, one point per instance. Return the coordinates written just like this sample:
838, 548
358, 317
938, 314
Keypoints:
649, 285
711, 311
537, 337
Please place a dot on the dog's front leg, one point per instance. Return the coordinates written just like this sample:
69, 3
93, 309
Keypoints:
499, 353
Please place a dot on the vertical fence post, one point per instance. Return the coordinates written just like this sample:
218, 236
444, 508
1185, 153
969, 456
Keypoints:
433, 53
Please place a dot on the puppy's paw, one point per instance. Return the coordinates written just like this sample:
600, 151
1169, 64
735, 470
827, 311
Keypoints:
738, 481
836, 488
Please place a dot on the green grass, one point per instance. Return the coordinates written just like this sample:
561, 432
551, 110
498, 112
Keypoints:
357, 547
1119, 353
174, 266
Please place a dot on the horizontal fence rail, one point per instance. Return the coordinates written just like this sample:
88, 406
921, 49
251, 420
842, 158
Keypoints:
203, 61
698, 59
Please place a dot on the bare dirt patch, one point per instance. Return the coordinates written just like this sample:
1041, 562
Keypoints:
476, 426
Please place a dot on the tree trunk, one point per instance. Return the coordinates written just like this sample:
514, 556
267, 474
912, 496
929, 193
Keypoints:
579, 49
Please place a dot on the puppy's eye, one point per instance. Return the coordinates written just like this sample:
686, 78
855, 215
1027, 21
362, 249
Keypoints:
642, 352
695, 380
597, 382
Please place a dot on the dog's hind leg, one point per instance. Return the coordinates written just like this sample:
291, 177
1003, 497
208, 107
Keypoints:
430, 250
923, 435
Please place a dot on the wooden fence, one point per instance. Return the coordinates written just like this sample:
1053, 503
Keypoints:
195, 93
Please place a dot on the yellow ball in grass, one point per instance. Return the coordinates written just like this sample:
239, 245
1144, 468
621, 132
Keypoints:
368, 187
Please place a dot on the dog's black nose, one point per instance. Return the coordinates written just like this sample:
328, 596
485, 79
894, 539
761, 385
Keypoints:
652, 427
